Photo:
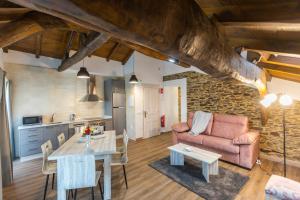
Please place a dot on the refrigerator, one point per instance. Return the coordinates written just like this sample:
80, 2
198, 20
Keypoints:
115, 103
119, 112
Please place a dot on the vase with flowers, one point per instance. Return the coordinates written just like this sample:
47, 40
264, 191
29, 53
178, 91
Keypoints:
87, 134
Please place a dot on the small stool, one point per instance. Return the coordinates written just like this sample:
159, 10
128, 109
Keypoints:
280, 188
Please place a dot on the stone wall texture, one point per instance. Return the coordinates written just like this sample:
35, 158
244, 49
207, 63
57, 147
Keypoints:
232, 97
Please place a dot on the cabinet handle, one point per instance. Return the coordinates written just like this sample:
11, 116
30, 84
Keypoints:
30, 136
33, 140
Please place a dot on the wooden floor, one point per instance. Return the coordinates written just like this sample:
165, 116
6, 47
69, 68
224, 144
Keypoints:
144, 182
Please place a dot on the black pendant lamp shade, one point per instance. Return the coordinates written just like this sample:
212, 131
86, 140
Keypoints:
83, 73
133, 79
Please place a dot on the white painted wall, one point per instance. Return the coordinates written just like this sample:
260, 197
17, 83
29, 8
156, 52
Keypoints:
169, 107
283, 86
149, 71
171, 68
1, 66
94, 64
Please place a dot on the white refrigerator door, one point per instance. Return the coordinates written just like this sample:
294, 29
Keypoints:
119, 100
119, 120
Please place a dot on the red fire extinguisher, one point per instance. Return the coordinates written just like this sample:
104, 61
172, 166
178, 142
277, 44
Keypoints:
163, 121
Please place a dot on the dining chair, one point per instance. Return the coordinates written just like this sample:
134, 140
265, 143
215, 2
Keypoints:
79, 171
61, 139
48, 167
121, 158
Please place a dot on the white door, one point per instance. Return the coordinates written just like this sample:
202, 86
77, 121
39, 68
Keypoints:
169, 107
151, 106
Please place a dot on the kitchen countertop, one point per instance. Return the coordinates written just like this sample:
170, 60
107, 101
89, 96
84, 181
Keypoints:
105, 117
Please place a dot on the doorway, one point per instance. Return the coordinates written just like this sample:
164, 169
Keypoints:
170, 104
146, 120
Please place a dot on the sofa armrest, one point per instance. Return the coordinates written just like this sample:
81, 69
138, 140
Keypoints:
180, 127
247, 138
249, 153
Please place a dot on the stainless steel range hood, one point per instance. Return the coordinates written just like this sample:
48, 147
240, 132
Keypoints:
91, 95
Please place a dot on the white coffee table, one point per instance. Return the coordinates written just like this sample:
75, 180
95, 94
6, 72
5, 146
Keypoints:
209, 159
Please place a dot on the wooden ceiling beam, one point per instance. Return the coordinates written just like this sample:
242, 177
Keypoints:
70, 37
127, 56
38, 44
18, 30
93, 42
28, 25
112, 51
272, 46
285, 60
279, 67
263, 10
262, 26
196, 40
284, 75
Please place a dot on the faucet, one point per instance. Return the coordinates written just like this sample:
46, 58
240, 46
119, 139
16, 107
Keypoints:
52, 118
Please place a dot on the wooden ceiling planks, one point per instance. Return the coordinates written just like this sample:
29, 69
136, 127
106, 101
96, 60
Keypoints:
265, 25
196, 41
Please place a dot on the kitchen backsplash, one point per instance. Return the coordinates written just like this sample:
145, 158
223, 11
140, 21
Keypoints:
43, 91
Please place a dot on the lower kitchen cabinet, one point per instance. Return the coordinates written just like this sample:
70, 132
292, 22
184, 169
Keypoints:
31, 139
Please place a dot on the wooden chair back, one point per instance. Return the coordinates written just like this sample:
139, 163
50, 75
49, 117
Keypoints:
61, 139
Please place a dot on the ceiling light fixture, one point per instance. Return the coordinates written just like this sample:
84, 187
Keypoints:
83, 73
172, 60
133, 79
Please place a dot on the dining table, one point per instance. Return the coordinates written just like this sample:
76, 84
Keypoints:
101, 146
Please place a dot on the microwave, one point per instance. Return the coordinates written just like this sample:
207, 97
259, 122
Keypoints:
32, 120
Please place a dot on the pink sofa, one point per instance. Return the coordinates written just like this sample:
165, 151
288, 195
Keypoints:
227, 135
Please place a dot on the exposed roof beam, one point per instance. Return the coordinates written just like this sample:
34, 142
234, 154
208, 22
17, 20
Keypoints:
93, 42
112, 51
30, 24
38, 44
70, 38
196, 40
285, 75
263, 26
285, 60
263, 10
279, 67
278, 46
127, 57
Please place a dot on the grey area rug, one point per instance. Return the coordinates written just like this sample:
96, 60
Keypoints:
224, 186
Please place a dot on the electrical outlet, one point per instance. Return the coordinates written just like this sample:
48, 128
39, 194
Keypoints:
258, 162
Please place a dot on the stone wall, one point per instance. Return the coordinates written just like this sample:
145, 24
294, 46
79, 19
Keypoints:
232, 97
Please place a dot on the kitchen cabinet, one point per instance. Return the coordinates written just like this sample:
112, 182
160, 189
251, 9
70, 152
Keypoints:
31, 139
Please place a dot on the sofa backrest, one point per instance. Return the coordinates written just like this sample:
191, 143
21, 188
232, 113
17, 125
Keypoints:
209, 126
229, 126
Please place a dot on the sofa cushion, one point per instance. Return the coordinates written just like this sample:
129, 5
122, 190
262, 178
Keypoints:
209, 126
186, 137
229, 126
220, 144
283, 188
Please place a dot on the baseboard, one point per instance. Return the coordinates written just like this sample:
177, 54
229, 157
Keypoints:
279, 159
